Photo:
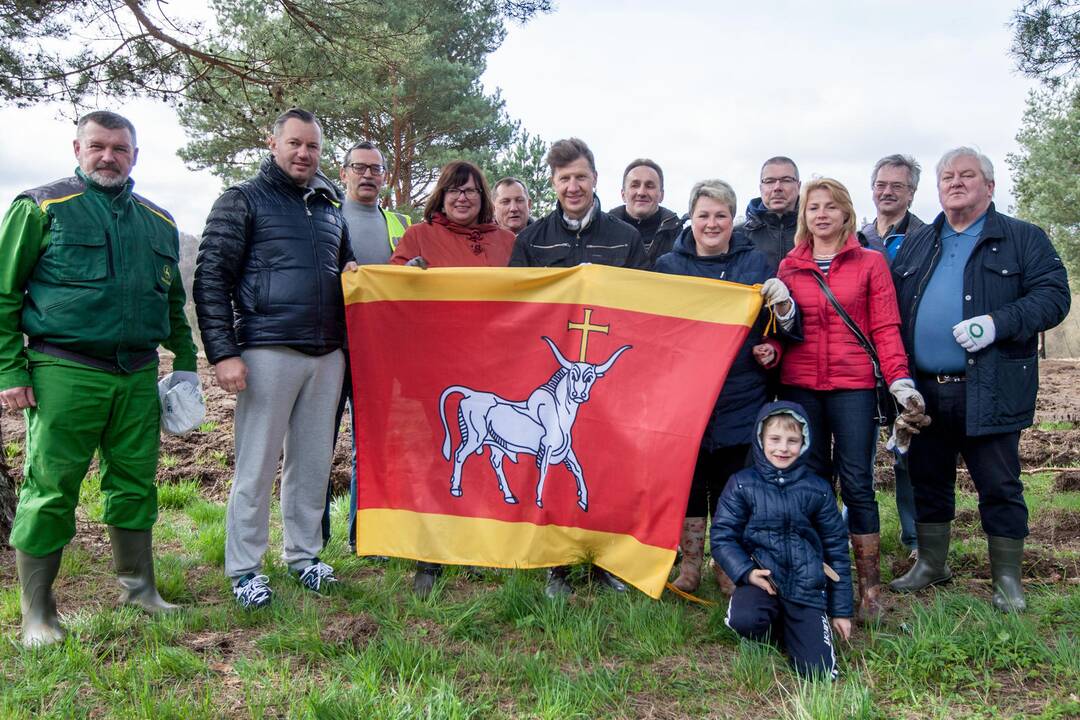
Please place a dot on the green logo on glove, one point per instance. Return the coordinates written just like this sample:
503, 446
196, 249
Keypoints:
975, 330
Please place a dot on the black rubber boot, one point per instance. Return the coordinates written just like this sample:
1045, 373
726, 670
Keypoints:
40, 624
932, 566
424, 579
558, 582
1006, 560
606, 579
133, 558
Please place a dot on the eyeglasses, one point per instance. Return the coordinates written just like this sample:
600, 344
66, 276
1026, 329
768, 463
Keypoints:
362, 168
455, 193
786, 180
881, 186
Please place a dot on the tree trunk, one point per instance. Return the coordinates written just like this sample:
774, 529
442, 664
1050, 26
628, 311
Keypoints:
7, 497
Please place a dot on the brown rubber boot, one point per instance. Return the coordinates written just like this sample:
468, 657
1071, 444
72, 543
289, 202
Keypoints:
868, 568
692, 543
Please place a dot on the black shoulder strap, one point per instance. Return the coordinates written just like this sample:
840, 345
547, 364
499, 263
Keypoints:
863, 341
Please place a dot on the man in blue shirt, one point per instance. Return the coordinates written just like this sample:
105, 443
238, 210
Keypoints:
975, 288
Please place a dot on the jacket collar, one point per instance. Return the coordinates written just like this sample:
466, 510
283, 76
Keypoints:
757, 215
558, 213
320, 184
992, 227
684, 245
803, 253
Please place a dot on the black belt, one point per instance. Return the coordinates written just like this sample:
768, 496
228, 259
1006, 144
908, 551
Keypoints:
138, 363
943, 378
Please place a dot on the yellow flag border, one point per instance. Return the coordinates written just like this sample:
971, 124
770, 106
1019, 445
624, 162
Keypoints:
679, 296
483, 541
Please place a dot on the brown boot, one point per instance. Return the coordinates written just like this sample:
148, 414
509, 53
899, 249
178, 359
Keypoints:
867, 566
692, 543
727, 587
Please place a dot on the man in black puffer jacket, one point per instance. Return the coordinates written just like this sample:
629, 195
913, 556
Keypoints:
272, 317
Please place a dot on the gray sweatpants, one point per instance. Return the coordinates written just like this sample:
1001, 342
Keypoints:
289, 401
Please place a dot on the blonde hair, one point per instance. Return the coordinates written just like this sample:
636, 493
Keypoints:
785, 420
840, 196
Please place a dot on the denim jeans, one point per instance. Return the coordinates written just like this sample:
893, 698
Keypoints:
905, 502
843, 439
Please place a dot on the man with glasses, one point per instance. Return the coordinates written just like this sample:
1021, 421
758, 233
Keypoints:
373, 234
893, 182
771, 218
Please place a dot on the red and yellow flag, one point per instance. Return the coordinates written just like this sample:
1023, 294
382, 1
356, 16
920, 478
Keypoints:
528, 417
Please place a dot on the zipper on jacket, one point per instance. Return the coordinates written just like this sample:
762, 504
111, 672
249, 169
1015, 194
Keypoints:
318, 271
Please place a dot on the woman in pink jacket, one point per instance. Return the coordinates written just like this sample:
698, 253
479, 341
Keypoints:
830, 374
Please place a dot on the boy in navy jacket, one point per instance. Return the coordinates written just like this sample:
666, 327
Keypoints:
778, 534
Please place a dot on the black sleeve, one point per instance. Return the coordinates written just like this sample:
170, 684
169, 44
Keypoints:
217, 271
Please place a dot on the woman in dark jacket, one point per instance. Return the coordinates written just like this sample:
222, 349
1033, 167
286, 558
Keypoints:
709, 249
830, 374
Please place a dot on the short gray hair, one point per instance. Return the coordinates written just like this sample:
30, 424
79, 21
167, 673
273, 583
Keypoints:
108, 120
904, 161
510, 180
717, 190
985, 165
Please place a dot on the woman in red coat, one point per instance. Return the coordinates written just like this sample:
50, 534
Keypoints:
459, 228
458, 231
830, 374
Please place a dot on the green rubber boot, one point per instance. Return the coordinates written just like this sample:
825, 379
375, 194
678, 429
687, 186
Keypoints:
40, 625
133, 558
932, 566
1006, 559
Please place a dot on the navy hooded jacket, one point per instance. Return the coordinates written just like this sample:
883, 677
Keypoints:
743, 394
788, 520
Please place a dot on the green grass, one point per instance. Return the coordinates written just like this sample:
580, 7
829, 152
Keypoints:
497, 648
208, 426
1055, 425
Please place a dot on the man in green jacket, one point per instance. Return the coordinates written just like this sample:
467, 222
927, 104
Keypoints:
89, 274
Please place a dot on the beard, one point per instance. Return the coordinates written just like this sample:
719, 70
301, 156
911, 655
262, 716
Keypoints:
109, 181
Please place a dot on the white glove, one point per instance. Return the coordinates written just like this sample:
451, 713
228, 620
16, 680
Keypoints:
774, 291
182, 404
975, 333
905, 393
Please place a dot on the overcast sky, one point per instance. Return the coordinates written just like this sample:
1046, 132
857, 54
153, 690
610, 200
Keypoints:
707, 89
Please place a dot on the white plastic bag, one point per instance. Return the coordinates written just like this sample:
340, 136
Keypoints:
182, 406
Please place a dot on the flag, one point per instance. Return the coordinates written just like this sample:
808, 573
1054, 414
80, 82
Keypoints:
530, 417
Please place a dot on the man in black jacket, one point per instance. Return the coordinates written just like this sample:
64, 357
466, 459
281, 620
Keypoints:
271, 313
643, 191
771, 218
975, 288
577, 231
